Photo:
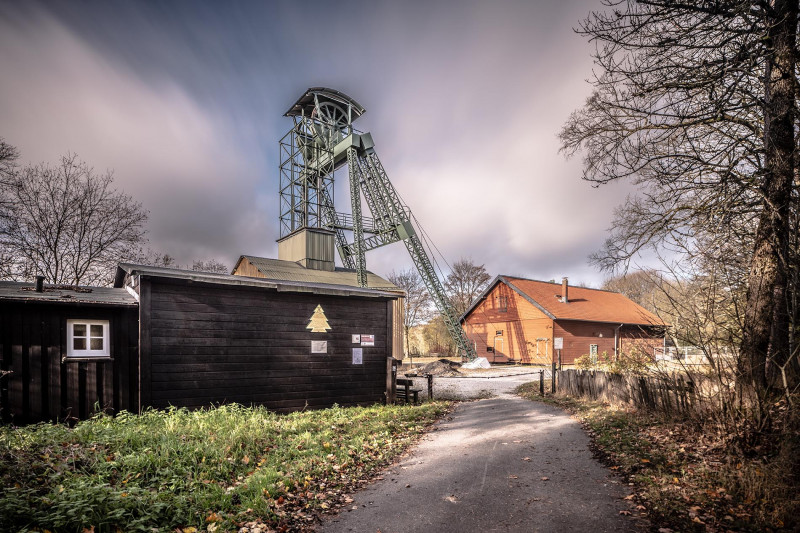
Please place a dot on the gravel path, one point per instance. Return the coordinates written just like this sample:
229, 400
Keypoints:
499, 464
478, 384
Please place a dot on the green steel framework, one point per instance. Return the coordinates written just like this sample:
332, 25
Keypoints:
322, 141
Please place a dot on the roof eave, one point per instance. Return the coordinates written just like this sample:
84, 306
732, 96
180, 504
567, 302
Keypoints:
479, 299
624, 323
66, 301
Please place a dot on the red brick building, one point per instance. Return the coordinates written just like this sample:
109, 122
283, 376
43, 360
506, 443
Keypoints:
525, 321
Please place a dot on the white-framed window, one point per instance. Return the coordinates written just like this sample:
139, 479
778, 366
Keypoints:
593, 353
87, 338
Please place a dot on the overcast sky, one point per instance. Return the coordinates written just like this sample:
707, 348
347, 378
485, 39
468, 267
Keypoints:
185, 102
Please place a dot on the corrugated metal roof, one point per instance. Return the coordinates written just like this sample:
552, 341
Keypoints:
12, 290
277, 269
285, 285
592, 305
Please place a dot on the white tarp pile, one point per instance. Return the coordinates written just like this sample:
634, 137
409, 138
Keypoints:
478, 362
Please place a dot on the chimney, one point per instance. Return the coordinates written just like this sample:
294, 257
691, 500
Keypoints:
39, 283
564, 290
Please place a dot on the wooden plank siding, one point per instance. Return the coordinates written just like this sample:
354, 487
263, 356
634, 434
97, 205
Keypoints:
45, 386
579, 336
640, 339
207, 344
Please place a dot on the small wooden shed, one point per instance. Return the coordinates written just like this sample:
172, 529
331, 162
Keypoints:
537, 322
166, 337
66, 351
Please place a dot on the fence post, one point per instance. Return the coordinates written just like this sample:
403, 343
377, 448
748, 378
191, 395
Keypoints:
541, 382
430, 386
553, 379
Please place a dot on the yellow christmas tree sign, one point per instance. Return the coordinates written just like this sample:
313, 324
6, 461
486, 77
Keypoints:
318, 322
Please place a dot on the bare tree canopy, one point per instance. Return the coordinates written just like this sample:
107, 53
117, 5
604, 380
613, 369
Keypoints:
212, 265
417, 306
465, 283
66, 223
157, 259
696, 103
639, 285
8, 159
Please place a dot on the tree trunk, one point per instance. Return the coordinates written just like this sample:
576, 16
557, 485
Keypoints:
765, 341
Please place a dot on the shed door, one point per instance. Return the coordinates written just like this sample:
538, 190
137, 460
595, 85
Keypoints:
498, 347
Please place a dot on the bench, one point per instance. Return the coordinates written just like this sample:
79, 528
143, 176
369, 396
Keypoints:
405, 392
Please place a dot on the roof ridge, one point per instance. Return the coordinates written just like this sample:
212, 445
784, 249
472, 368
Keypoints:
558, 283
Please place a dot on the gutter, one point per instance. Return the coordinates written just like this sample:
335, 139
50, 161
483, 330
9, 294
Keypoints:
616, 341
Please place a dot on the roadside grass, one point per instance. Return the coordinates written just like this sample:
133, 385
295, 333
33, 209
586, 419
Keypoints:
217, 469
689, 475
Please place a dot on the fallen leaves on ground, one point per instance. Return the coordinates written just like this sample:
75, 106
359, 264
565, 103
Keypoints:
688, 475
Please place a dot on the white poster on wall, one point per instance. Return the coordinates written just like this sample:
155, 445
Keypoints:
319, 346
558, 343
356, 339
358, 356
367, 340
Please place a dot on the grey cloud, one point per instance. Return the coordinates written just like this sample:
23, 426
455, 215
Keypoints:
184, 101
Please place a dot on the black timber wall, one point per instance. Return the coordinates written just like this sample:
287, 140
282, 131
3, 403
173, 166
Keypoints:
205, 344
43, 385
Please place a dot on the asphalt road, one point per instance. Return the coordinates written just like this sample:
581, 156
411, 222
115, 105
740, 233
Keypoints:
499, 464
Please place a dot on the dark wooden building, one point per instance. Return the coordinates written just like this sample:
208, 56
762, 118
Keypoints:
66, 352
212, 338
166, 337
537, 322
302, 271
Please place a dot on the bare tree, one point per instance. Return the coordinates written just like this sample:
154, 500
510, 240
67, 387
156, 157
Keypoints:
696, 103
212, 265
464, 283
66, 223
8, 164
164, 260
417, 306
160, 260
641, 286
8, 160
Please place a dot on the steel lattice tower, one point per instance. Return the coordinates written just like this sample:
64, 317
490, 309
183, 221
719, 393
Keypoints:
322, 141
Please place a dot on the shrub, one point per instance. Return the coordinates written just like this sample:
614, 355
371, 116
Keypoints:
633, 362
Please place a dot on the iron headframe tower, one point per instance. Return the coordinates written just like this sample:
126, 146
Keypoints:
322, 141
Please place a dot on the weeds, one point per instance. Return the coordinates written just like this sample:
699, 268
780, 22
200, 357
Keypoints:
690, 475
212, 469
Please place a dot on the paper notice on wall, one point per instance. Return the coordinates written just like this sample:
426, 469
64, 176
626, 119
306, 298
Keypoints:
319, 346
356, 339
358, 356
367, 340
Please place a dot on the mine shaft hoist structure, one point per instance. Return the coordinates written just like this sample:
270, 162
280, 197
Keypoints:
322, 141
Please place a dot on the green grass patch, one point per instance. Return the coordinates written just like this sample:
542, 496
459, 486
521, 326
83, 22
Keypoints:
213, 469
689, 475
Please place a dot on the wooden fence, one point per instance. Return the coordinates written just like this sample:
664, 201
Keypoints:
670, 395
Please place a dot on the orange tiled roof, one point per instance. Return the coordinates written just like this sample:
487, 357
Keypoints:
584, 304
